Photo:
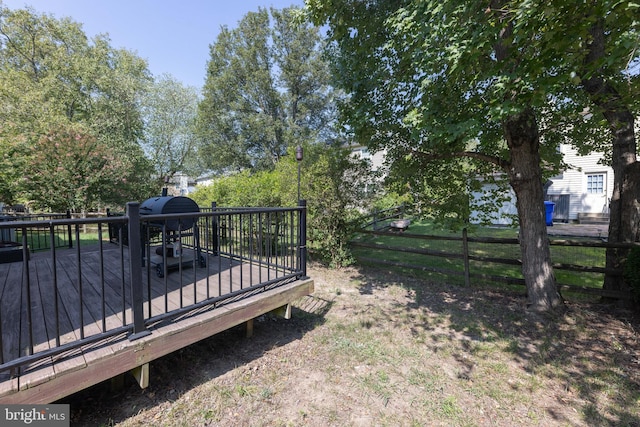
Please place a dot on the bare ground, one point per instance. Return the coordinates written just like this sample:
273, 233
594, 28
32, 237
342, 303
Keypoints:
369, 348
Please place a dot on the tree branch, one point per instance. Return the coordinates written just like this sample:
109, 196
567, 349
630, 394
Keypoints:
501, 163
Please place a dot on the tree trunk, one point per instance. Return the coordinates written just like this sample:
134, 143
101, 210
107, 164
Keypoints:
525, 177
621, 124
629, 226
622, 227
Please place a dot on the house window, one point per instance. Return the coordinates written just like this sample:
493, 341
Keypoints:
364, 153
595, 183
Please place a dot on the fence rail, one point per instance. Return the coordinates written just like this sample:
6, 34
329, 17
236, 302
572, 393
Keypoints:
475, 256
98, 290
380, 219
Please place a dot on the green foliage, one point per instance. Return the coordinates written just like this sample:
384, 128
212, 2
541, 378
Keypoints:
390, 199
425, 82
631, 273
331, 181
73, 170
260, 189
267, 90
54, 80
169, 111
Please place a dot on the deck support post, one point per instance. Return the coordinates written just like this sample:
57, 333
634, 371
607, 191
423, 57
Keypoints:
141, 374
249, 328
284, 311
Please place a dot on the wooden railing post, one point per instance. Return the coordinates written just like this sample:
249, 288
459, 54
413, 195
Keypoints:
135, 271
465, 252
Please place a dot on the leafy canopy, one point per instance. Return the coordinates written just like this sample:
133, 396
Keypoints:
54, 81
267, 89
169, 111
435, 81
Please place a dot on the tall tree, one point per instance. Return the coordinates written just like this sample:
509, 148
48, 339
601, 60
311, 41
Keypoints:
426, 78
70, 170
53, 78
502, 82
612, 41
267, 89
169, 111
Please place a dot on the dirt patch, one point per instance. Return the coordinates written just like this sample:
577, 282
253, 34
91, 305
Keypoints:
369, 348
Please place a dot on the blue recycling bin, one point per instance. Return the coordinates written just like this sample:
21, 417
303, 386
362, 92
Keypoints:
548, 212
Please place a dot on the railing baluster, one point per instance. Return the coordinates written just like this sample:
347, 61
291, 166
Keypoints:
251, 247
25, 263
122, 276
303, 237
240, 244
54, 271
102, 296
79, 278
70, 242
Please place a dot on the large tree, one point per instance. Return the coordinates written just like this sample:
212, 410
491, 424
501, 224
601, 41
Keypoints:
502, 82
611, 35
169, 112
267, 89
53, 78
439, 81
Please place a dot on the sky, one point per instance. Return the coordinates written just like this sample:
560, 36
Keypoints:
173, 36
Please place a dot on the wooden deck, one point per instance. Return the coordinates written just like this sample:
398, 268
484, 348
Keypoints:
91, 300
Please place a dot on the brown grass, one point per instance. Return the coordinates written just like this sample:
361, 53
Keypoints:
369, 348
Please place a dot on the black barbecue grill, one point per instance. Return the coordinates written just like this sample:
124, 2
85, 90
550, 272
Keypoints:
171, 205
171, 253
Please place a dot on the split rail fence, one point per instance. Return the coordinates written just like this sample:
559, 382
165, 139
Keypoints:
579, 263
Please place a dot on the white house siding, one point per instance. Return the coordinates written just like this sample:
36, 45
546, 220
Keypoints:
377, 159
573, 182
502, 214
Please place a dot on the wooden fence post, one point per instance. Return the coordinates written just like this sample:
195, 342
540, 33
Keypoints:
465, 252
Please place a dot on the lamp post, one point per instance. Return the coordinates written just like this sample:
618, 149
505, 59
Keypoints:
299, 159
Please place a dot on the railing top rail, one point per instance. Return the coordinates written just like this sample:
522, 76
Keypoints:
111, 219
65, 221
250, 209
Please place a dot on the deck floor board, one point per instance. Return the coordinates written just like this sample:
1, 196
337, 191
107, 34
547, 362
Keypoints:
91, 298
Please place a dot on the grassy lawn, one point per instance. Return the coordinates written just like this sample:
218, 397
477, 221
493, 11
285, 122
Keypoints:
486, 272
374, 348
39, 241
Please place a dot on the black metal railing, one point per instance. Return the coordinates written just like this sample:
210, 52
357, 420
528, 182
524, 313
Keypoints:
38, 237
95, 289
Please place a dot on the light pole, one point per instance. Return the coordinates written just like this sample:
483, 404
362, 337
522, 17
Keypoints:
299, 159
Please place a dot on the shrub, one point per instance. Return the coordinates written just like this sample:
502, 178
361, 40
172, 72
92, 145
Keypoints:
331, 182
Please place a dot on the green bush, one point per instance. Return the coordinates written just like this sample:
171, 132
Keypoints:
331, 182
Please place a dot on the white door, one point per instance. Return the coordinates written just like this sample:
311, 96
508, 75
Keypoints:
596, 199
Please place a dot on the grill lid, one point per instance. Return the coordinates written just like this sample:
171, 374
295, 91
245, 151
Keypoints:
171, 205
